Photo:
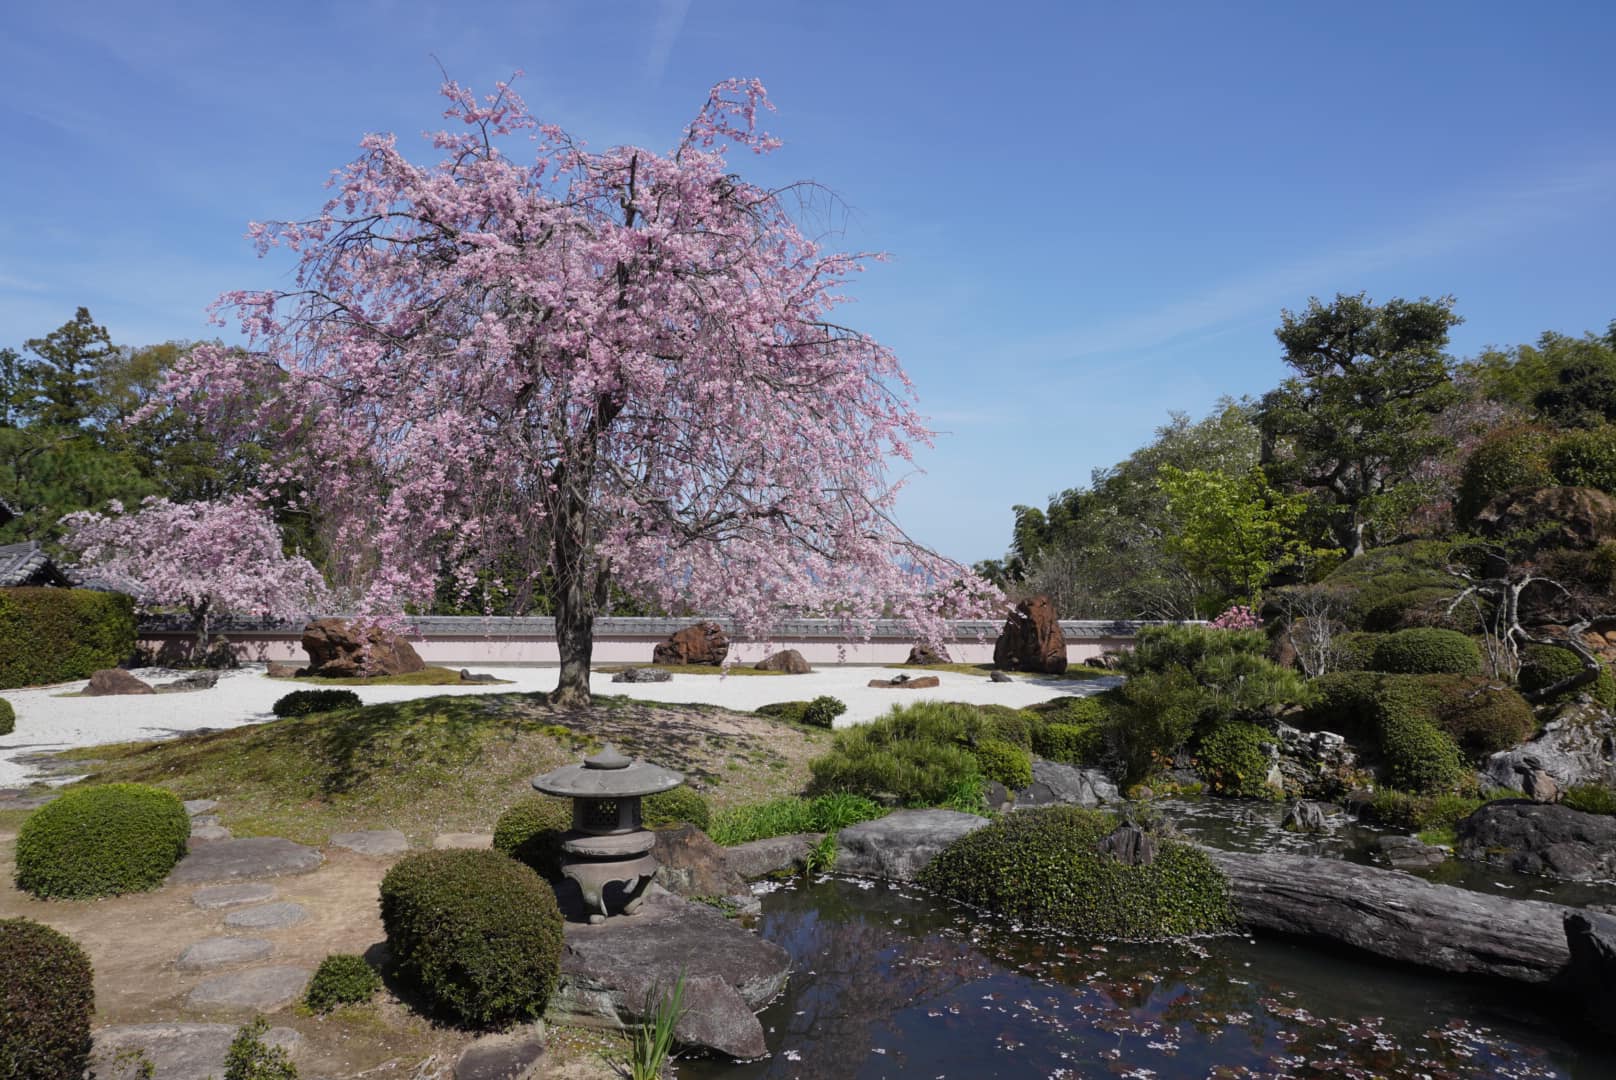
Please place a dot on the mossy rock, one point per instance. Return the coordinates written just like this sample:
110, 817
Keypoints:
102, 841
47, 1000
478, 933
1044, 867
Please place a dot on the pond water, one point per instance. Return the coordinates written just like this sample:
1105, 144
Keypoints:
890, 982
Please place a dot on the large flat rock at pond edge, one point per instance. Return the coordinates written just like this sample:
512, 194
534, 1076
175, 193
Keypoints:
900, 845
1538, 838
176, 1051
249, 857
612, 974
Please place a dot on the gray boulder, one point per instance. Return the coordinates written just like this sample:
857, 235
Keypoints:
175, 1051
900, 845
1304, 816
1409, 853
196, 680
1576, 746
505, 1056
777, 854
642, 675
689, 864
111, 681
613, 974
1591, 937
379, 842
1054, 782
1539, 838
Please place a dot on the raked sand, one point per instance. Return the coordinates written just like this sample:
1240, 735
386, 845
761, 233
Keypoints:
52, 719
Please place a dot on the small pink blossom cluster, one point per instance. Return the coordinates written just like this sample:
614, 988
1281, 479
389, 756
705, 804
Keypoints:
1238, 617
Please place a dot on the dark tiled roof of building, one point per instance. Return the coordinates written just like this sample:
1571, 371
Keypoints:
27, 564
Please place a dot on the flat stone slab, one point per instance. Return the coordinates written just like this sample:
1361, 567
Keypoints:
500, 1057
448, 840
277, 916
760, 858
210, 897
217, 952
373, 842
900, 845
200, 806
176, 1051
610, 972
209, 833
264, 988
249, 857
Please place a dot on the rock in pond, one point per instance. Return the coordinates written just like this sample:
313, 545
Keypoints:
691, 865
610, 972
1591, 937
900, 845
175, 1051
1537, 838
1409, 853
774, 855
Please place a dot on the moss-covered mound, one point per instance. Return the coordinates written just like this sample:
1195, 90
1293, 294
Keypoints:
478, 933
47, 998
313, 702
1233, 761
1509, 459
820, 712
1045, 867
1426, 650
1544, 665
1396, 586
102, 841
1415, 724
530, 832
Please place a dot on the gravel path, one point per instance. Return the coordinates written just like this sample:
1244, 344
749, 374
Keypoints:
52, 719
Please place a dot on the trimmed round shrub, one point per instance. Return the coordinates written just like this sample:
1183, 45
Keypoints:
789, 711
47, 997
341, 979
1233, 761
822, 711
102, 841
530, 832
310, 702
8, 717
1416, 754
1011, 725
1344, 703
1544, 665
1585, 458
1071, 744
1044, 867
1005, 762
680, 806
1482, 716
479, 934
1508, 460
1427, 651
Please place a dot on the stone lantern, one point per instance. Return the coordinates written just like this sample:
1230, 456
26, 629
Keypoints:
607, 842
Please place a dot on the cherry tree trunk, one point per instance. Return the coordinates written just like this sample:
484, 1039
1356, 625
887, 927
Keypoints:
575, 594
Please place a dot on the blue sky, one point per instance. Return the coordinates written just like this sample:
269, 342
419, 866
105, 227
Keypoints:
1095, 211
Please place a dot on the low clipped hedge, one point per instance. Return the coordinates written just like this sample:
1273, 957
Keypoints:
1482, 715
479, 934
54, 635
8, 717
1544, 665
1044, 866
820, 712
102, 841
1071, 744
679, 806
1427, 650
341, 979
47, 999
1416, 755
530, 832
1004, 762
310, 702
1232, 761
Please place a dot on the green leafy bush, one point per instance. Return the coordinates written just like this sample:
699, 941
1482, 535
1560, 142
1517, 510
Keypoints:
8, 717
1508, 460
789, 815
310, 702
1418, 813
102, 841
1233, 761
920, 754
478, 933
1585, 458
822, 711
1355, 650
250, 1058
679, 806
1417, 755
1159, 648
54, 635
1044, 866
47, 998
1071, 744
1344, 703
341, 979
1481, 715
1004, 762
1385, 583
1427, 651
530, 832
1589, 798
1544, 665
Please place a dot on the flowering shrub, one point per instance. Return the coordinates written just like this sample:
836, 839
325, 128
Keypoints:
1238, 617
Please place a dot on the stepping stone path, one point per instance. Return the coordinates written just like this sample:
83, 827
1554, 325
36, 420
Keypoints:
250, 857
210, 897
500, 1057
372, 842
263, 988
200, 806
24, 799
176, 1051
463, 840
209, 833
216, 952
276, 916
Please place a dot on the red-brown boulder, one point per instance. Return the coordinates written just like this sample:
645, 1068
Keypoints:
703, 643
1032, 639
337, 649
789, 661
1557, 517
925, 655
110, 681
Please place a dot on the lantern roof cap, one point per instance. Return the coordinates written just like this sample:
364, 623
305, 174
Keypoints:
608, 775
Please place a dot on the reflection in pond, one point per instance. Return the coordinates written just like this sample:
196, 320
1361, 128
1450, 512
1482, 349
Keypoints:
889, 982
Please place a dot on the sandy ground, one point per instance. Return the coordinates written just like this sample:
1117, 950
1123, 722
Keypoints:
53, 718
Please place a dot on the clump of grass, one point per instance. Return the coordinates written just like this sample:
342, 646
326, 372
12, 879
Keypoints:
789, 815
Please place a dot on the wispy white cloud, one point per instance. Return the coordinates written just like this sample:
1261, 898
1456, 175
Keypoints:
670, 21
